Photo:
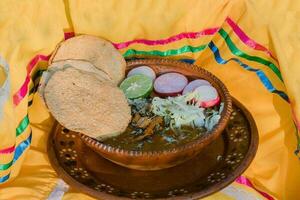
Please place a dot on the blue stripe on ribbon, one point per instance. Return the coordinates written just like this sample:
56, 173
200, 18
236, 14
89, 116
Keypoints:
21, 147
4, 178
190, 61
18, 152
261, 75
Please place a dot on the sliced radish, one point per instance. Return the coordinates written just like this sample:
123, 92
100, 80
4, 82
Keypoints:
145, 70
211, 103
208, 96
193, 85
170, 84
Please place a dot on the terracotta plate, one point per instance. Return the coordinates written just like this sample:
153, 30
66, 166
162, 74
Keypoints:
215, 167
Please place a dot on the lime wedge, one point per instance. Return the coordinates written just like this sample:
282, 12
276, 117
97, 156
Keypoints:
137, 86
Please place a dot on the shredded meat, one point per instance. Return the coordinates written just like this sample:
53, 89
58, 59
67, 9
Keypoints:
143, 122
156, 121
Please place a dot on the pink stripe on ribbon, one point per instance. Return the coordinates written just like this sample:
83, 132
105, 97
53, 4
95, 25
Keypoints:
7, 150
174, 38
22, 92
248, 41
245, 181
68, 35
193, 35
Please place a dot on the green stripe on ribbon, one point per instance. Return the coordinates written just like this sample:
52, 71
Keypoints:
171, 52
6, 166
241, 54
20, 129
22, 126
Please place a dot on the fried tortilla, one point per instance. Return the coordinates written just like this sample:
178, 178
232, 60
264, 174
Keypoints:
83, 103
78, 64
95, 50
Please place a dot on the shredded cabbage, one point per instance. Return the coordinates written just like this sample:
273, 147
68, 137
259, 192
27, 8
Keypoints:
212, 120
179, 112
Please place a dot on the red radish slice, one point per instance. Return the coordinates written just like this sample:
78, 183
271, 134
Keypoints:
193, 85
207, 104
208, 96
170, 84
145, 70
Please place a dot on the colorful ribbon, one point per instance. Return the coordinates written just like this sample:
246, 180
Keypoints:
68, 35
22, 126
171, 52
241, 54
192, 35
22, 147
246, 40
22, 92
34, 88
245, 181
36, 76
190, 61
6, 166
18, 152
7, 150
261, 75
4, 178
20, 129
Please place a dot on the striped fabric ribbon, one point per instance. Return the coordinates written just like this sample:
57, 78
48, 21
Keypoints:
4, 178
191, 35
241, 54
7, 150
194, 35
246, 40
18, 152
245, 181
19, 130
22, 92
186, 49
171, 52
261, 75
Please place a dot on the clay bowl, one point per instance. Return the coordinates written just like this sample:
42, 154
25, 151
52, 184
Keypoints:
155, 160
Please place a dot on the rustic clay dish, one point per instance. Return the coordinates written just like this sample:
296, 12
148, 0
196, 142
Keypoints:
216, 166
155, 160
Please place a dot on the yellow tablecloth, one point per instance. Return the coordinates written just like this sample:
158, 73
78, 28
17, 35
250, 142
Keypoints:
253, 46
